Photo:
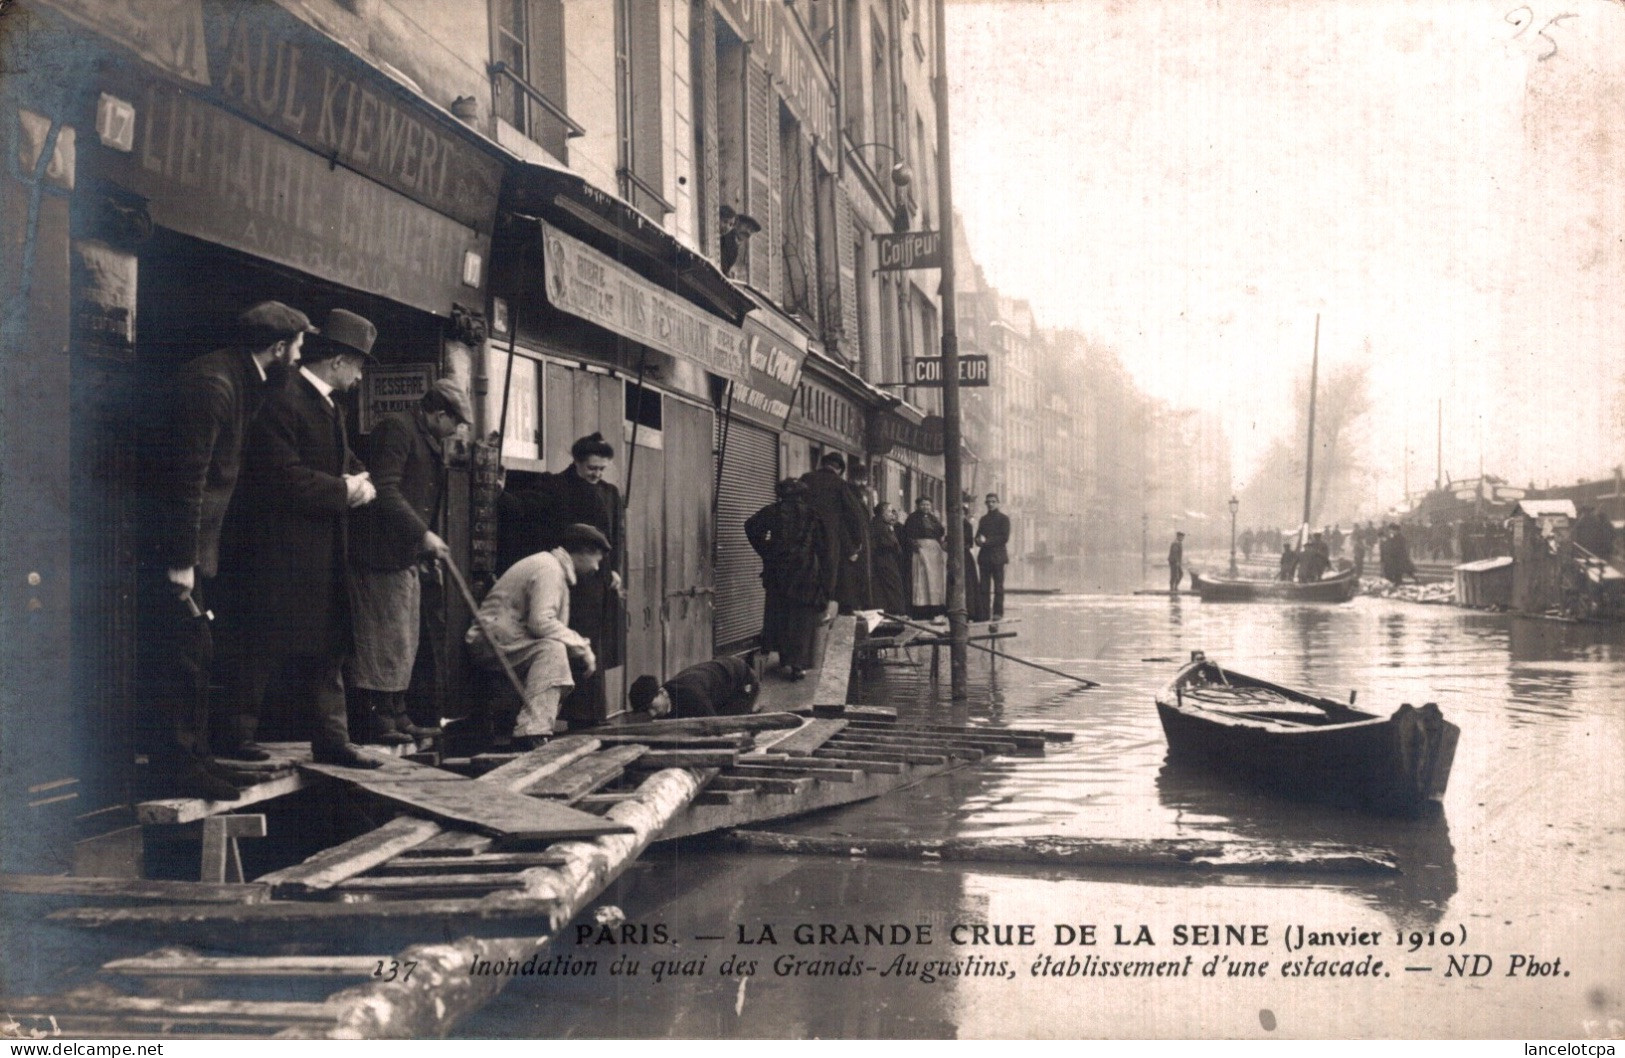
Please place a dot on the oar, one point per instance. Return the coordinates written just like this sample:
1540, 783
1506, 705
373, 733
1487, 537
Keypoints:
997, 653
485, 629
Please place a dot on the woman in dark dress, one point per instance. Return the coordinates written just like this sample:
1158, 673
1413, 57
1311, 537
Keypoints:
796, 574
887, 570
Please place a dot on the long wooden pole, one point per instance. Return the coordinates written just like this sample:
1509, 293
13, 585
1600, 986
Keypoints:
1309, 464
485, 629
1000, 653
951, 469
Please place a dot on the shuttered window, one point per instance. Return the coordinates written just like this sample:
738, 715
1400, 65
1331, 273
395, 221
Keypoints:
750, 468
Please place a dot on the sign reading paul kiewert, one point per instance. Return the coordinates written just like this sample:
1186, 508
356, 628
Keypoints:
903, 250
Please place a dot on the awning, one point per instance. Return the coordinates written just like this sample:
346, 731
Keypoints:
615, 227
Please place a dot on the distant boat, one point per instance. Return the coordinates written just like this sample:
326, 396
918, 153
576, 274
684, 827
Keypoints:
1306, 747
1339, 587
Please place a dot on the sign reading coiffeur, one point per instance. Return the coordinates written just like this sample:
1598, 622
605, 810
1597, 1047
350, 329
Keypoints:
903, 250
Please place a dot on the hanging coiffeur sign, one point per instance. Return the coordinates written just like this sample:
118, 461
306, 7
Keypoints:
591, 285
902, 250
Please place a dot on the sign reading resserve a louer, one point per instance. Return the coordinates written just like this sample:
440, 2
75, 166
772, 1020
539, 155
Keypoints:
595, 287
903, 250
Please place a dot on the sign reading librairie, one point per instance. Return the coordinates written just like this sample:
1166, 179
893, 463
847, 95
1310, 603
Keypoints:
927, 371
902, 250
595, 287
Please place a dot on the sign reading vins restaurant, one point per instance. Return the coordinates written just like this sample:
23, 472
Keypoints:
901, 251
597, 288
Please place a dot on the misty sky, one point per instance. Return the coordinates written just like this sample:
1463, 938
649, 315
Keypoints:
1192, 180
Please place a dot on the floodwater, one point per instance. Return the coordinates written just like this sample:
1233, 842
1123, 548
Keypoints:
1524, 860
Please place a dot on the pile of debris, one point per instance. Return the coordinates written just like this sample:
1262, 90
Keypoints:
1440, 594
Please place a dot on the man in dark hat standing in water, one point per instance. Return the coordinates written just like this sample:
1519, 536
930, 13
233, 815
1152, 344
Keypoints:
1176, 563
301, 482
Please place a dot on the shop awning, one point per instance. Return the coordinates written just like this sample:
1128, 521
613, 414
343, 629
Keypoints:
616, 228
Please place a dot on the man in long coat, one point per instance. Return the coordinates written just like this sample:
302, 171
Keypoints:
301, 481
1176, 563
389, 537
200, 451
845, 525
993, 536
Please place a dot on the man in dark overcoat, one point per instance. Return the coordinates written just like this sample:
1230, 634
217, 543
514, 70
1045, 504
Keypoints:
720, 687
579, 495
301, 480
845, 523
388, 538
199, 451
1176, 563
993, 538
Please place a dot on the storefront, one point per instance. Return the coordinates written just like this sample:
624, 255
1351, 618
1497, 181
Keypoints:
215, 157
602, 322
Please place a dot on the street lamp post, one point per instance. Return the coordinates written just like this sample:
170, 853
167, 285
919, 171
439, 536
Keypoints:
1235, 505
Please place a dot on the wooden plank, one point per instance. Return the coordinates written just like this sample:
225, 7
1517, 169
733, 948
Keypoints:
760, 784
724, 797
490, 861
848, 751
334, 865
585, 775
178, 964
439, 885
835, 672
705, 725
792, 771
968, 729
541, 762
808, 737
878, 713
1173, 853
391, 769
603, 800
452, 843
835, 759
134, 889
332, 924
655, 759
904, 745
195, 1010
192, 809
939, 742
737, 740
473, 803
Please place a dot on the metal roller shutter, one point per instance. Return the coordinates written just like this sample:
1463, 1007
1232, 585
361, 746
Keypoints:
750, 469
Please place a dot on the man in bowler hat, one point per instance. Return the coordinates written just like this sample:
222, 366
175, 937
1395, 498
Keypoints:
302, 480
200, 454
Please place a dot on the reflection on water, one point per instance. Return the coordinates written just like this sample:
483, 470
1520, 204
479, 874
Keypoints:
1528, 832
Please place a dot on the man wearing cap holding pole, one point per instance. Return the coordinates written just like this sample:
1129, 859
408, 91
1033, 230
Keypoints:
301, 482
387, 539
201, 453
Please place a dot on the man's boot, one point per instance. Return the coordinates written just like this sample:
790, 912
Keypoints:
402, 720
373, 725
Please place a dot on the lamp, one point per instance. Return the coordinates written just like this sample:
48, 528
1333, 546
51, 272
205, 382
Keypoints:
1235, 505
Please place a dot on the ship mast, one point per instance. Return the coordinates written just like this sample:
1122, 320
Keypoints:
1309, 462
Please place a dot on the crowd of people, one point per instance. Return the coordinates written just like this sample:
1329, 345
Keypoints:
826, 550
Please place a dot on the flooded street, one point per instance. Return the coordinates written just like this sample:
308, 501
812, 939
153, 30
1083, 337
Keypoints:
1526, 859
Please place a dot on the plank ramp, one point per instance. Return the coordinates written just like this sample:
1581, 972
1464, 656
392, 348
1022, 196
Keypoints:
585, 775
341, 862
134, 889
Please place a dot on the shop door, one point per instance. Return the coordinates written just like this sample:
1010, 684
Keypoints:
750, 466
645, 554
690, 586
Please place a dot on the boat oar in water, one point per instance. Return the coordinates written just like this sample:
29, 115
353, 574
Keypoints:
996, 653
485, 629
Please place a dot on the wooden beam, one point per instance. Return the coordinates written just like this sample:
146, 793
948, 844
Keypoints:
1175, 854
134, 889
334, 865
794, 771
655, 759
432, 885
904, 745
541, 762
586, 775
174, 963
192, 809
835, 672
901, 756
224, 1011
489, 861
808, 737
705, 725
760, 784
452, 843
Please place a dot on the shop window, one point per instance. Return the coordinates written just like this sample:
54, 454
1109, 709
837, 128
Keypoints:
527, 71
644, 412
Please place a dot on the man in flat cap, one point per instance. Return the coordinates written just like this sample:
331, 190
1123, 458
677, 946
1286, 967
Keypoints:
720, 687
301, 482
200, 452
526, 615
387, 540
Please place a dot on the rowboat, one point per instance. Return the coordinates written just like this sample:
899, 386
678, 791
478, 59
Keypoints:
1307, 747
1338, 587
